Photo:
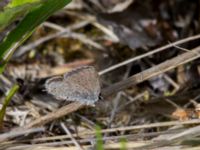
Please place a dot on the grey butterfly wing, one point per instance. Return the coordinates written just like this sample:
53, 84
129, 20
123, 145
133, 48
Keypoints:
81, 85
56, 87
86, 80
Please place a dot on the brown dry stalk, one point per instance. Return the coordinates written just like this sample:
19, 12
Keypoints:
133, 80
153, 71
55, 114
157, 50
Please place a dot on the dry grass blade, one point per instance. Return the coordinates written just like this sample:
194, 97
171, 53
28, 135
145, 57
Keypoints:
177, 135
56, 114
184, 135
72, 138
62, 32
153, 71
16, 133
149, 53
122, 129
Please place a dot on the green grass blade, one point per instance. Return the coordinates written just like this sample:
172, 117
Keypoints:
123, 144
99, 139
25, 28
7, 100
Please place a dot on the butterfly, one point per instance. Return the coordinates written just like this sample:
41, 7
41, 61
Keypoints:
81, 84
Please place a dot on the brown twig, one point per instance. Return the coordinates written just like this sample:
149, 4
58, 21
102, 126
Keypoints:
174, 44
133, 80
55, 114
153, 71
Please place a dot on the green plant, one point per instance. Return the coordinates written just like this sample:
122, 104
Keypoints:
99, 139
7, 100
123, 144
33, 13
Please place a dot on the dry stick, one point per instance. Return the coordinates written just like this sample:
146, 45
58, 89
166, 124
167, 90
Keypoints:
121, 129
63, 32
55, 114
133, 80
149, 53
153, 71
71, 137
15, 133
